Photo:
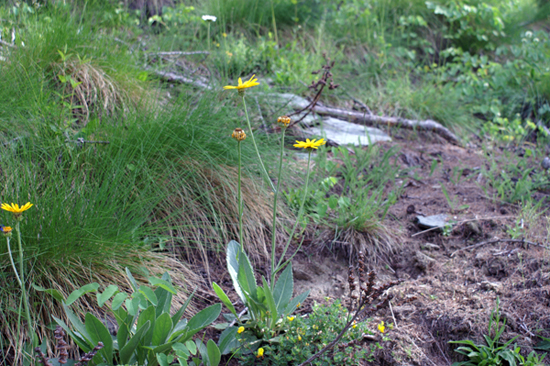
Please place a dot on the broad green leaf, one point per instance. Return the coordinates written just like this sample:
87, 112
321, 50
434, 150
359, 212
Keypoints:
55, 293
128, 350
147, 315
99, 333
118, 300
106, 295
191, 347
228, 340
149, 294
163, 326
181, 350
224, 298
132, 305
75, 295
294, 303
164, 301
270, 303
245, 276
178, 329
204, 317
162, 359
164, 284
284, 287
132, 280
214, 355
233, 253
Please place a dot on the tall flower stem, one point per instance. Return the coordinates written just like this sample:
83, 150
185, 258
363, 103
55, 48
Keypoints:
264, 171
239, 196
276, 194
280, 264
13, 263
208, 34
22, 282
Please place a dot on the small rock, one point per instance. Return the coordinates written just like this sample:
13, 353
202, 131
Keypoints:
429, 222
344, 133
545, 163
422, 260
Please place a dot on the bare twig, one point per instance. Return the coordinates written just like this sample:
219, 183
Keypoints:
497, 240
462, 222
4, 43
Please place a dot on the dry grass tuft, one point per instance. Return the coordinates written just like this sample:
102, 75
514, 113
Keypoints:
208, 223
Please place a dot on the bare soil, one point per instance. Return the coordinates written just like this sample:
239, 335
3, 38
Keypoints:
447, 288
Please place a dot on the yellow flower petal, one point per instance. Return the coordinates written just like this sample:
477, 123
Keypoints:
240, 330
247, 84
310, 144
14, 207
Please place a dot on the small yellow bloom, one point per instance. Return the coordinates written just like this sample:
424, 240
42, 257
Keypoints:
6, 230
313, 144
15, 209
229, 54
240, 330
381, 327
299, 338
284, 121
250, 83
238, 134
260, 353
217, 44
224, 35
290, 318
354, 324
299, 304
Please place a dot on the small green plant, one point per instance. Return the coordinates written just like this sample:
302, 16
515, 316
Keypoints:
493, 352
145, 328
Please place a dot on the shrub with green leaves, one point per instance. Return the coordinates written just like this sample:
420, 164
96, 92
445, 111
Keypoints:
145, 329
305, 336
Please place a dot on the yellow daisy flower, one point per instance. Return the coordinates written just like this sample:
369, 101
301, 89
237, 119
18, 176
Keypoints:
6, 230
248, 84
240, 330
15, 209
381, 327
313, 144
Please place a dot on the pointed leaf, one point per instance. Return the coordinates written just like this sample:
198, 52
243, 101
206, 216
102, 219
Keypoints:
233, 253
214, 355
80, 342
147, 315
76, 294
201, 320
106, 295
127, 351
78, 326
55, 293
177, 316
270, 303
224, 298
132, 280
284, 287
294, 303
246, 278
228, 340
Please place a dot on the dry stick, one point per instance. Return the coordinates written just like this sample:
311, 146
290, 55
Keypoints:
499, 240
363, 118
462, 222
180, 53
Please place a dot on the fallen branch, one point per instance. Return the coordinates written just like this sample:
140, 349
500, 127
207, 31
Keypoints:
364, 118
497, 240
180, 53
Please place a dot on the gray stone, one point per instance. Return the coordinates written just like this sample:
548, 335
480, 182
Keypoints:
345, 133
430, 222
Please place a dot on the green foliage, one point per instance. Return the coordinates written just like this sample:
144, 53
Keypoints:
305, 336
268, 306
366, 184
145, 327
494, 352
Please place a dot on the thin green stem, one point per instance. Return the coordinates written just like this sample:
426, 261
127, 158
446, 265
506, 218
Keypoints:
22, 283
264, 171
13, 263
208, 35
274, 226
274, 26
240, 198
300, 213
